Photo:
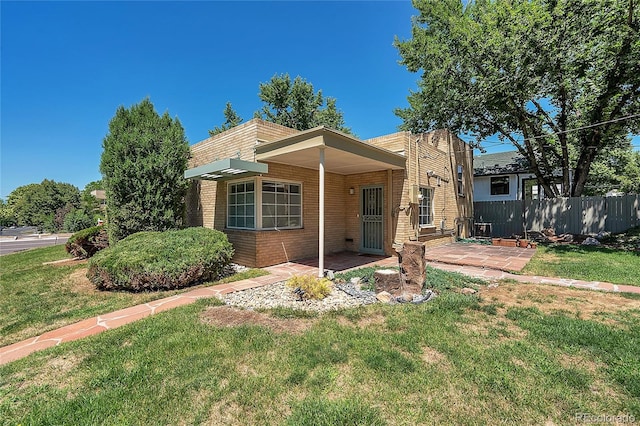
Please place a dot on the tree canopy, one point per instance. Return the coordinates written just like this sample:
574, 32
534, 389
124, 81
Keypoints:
295, 104
558, 79
143, 162
43, 204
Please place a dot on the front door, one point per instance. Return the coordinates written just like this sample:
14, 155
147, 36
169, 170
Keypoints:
372, 229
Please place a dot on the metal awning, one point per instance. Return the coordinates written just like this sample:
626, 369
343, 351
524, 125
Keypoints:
345, 154
226, 169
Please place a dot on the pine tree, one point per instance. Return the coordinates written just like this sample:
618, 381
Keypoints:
143, 162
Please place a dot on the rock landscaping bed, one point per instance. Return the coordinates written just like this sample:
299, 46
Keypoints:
278, 295
344, 295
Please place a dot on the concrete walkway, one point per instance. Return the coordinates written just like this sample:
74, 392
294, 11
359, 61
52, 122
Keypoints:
339, 263
494, 274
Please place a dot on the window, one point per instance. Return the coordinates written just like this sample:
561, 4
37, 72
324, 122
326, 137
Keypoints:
426, 207
241, 205
460, 186
500, 185
281, 205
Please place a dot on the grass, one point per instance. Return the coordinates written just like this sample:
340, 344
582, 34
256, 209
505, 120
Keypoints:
586, 263
445, 362
35, 298
505, 355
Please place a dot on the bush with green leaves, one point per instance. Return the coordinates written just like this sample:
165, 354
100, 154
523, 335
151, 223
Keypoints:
77, 220
311, 287
166, 260
87, 242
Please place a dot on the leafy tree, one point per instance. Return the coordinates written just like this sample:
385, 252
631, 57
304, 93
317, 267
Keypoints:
7, 216
296, 105
618, 170
143, 162
541, 74
89, 203
37, 204
232, 119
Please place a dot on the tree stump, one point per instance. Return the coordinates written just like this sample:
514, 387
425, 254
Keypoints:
413, 267
388, 280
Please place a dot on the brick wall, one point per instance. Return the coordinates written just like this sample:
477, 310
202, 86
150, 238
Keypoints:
438, 152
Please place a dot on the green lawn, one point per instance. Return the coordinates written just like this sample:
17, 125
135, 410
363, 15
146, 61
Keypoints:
35, 298
586, 263
515, 354
456, 360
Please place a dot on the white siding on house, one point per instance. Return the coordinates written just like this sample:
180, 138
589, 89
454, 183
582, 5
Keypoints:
482, 187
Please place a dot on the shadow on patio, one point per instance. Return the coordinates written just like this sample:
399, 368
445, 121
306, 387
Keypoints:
338, 262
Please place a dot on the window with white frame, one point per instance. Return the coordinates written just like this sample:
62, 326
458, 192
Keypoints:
281, 205
460, 182
426, 207
241, 205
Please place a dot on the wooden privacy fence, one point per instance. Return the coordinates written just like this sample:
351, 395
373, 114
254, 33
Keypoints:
577, 215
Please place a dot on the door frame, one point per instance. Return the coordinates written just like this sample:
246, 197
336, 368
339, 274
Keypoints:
362, 247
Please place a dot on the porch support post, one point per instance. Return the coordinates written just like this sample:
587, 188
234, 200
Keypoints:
321, 218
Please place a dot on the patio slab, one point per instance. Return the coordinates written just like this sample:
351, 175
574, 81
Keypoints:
508, 259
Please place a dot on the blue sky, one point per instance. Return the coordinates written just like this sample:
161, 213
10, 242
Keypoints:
67, 66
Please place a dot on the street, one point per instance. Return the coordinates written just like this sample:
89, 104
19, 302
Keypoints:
9, 245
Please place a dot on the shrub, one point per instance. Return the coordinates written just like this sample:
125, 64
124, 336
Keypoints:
162, 260
311, 287
77, 220
87, 242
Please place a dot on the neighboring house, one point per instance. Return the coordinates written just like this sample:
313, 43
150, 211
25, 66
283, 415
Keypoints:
504, 176
101, 196
281, 194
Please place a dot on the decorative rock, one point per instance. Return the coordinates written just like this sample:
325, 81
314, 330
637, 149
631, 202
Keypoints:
421, 298
493, 285
387, 280
468, 291
590, 241
384, 297
413, 267
328, 273
367, 297
355, 280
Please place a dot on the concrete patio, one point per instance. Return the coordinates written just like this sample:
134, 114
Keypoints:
508, 259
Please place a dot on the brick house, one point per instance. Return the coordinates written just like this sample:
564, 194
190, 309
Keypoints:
261, 182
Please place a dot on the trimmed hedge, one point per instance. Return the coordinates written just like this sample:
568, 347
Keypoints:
162, 260
87, 242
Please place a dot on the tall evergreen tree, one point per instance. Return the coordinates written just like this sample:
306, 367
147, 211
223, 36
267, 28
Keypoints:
231, 119
143, 162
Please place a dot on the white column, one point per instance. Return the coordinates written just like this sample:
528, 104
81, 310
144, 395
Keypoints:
321, 218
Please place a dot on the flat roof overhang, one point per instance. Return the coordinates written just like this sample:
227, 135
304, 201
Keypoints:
344, 154
227, 168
